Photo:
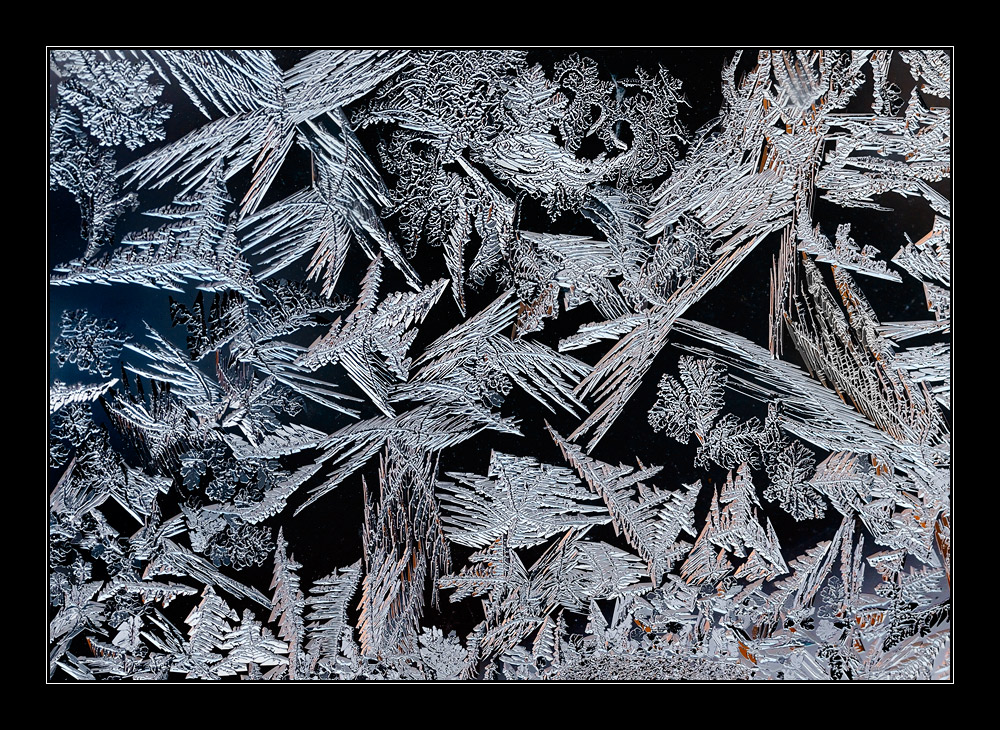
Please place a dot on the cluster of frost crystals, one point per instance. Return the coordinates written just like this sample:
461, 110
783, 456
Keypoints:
349, 440
114, 98
90, 343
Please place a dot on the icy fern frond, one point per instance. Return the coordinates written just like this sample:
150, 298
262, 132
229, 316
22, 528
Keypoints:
251, 334
741, 180
287, 606
161, 266
732, 528
693, 404
858, 361
930, 365
263, 133
809, 570
249, 644
175, 559
371, 333
261, 137
703, 563
170, 365
197, 244
921, 660
520, 498
281, 441
434, 427
114, 99
443, 657
404, 544
61, 394
575, 265
736, 525
476, 363
159, 424
929, 257
594, 332
234, 82
602, 571
343, 205
492, 320
921, 586
148, 590
272, 502
327, 604
494, 568
291, 306
571, 572
938, 302
230, 142
77, 612
210, 331
546, 375
546, 646
300, 224
210, 625
845, 253
325, 81
651, 519
933, 67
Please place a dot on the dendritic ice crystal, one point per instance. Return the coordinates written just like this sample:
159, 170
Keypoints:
627, 364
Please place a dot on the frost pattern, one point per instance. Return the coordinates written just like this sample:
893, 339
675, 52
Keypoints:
341, 435
113, 98
90, 343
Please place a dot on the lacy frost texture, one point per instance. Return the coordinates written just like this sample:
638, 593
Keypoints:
420, 365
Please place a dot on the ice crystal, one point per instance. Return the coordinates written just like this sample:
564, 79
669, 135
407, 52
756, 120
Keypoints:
510, 411
114, 99
693, 406
88, 172
89, 343
528, 503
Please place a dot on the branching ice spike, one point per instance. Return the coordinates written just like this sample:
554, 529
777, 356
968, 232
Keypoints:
651, 519
327, 604
373, 332
404, 543
197, 245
